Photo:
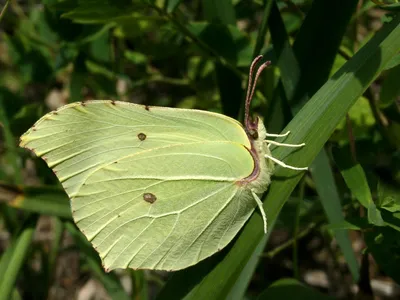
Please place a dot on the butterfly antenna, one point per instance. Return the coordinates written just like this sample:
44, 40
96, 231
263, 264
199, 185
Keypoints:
259, 71
251, 86
260, 206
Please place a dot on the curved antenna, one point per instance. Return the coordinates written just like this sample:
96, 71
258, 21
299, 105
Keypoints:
251, 87
260, 69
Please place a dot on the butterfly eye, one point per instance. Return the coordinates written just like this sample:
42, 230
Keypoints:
253, 134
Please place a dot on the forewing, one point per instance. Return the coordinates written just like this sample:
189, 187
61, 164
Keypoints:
196, 205
80, 137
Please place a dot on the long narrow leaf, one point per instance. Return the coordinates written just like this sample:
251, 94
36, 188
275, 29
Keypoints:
356, 180
313, 125
289, 288
299, 83
44, 200
229, 82
329, 195
20, 250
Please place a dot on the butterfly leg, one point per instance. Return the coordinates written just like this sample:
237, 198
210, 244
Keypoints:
281, 163
260, 206
278, 135
269, 142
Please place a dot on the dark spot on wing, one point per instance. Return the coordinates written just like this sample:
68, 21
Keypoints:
146, 107
83, 103
149, 197
141, 136
113, 102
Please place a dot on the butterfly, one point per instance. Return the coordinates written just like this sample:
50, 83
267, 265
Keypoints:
157, 187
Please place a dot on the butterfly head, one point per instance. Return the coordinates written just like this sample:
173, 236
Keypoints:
256, 129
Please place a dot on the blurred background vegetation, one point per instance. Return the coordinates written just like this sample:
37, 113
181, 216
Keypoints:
334, 233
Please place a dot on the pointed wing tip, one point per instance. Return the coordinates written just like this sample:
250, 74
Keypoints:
27, 137
24, 141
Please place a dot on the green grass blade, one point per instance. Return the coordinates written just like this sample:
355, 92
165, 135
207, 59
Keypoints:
289, 288
329, 196
298, 82
17, 258
5, 260
230, 90
54, 251
10, 145
391, 7
317, 44
4, 9
314, 123
395, 61
239, 288
229, 82
356, 181
139, 285
221, 11
390, 87
171, 5
358, 224
262, 32
279, 114
43, 200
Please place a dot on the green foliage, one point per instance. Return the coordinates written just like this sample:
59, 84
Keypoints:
291, 289
333, 82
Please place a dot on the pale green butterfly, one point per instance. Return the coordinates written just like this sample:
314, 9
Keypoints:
156, 187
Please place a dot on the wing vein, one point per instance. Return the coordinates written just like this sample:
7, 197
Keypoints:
207, 225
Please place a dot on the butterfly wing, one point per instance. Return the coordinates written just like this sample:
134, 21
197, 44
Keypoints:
153, 188
80, 137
